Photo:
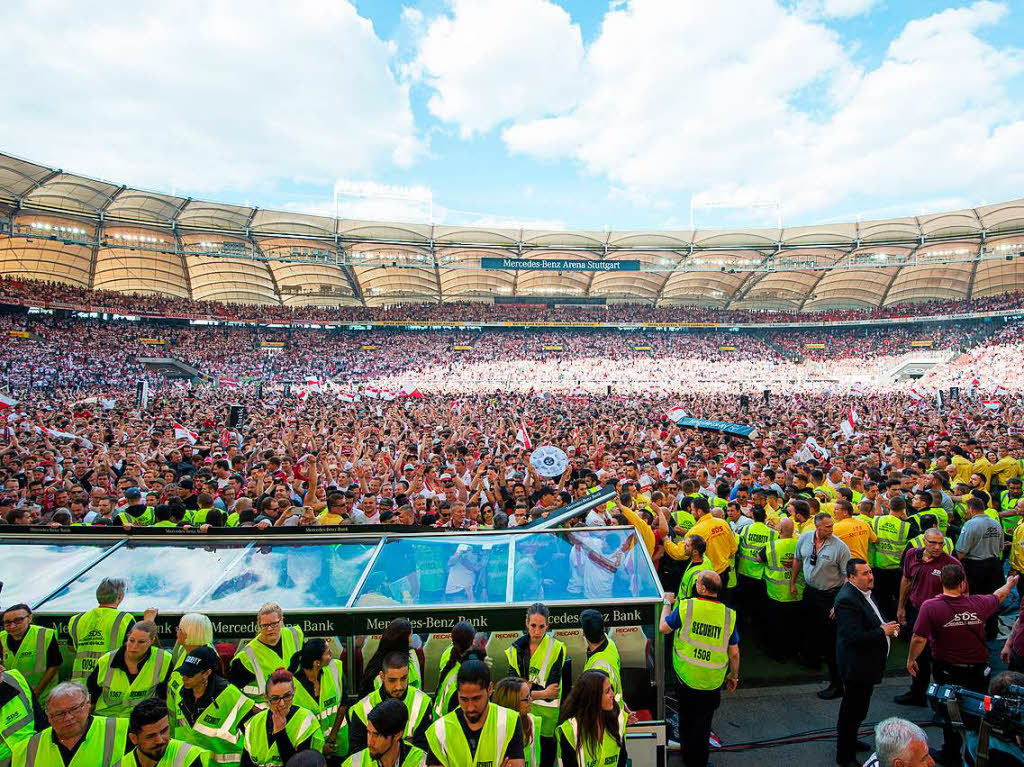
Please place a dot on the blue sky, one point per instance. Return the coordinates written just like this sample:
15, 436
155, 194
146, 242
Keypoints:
528, 112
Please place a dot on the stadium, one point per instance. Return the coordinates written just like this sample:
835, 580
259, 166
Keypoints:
292, 484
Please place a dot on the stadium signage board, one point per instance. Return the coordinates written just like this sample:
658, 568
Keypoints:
727, 348
561, 264
552, 348
460, 348
925, 343
735, 429
642, 348
153, 341
341, 622
814, 346
19, 334
368, 347
272, 344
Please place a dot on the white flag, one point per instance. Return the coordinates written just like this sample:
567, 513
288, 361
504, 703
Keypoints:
180, 432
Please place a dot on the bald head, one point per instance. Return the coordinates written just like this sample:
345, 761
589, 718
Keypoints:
709, 583
785, 527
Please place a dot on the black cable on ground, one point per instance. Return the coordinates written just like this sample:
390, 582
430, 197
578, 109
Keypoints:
807, 736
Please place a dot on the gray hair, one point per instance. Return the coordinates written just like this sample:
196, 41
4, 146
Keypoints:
110, 590
270, 608
892, 737
197, 628
65, 689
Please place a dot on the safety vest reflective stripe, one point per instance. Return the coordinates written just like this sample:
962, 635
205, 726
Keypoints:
227, 730
290, 643
17, 682
448, 743
607, 750
82, 670
532, 749
420, 704
259, 684
109, 744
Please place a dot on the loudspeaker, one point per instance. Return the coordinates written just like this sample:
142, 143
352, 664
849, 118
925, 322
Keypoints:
142, 393
236, 418
954, 393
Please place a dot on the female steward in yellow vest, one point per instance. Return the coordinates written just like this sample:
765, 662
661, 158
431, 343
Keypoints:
319, 689
195, 630
539, 658
149, 732
275, 734
137, 671
385, 744
272, 648
461, 649
593, 728
207, 710
397, 637
478, 732
513, 693
32, 650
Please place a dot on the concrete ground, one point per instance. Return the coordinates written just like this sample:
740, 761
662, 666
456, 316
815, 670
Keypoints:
772, 712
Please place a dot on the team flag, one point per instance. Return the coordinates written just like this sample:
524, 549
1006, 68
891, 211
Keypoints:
180, 432
674, 414
231, 383
522, 437
849, 424
7, 401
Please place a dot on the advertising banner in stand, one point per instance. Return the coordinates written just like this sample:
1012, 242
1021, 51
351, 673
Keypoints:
561, 264
735, 429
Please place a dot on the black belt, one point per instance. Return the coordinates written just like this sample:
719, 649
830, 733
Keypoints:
823, 591
981, 664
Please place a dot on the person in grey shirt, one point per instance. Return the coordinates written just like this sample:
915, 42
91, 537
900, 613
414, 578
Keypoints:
980, 548
938, 486
823, 558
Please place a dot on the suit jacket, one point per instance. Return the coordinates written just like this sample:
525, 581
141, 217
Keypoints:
861, 647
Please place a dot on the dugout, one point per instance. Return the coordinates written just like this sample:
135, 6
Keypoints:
348, 587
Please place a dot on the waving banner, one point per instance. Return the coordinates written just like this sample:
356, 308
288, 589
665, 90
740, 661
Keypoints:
735, 429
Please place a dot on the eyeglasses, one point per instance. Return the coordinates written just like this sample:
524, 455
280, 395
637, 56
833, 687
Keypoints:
281, 698
15, 621
268, 626
58, 715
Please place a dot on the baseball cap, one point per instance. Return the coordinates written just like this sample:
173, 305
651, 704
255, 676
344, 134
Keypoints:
201, 659
132, 492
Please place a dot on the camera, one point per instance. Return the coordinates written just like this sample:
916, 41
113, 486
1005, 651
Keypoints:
992, 725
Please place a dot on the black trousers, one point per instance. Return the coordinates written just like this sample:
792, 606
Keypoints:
852, 713
750, 597
969, 675
696, 710
821, 630
548, 752
781, 622
886, 591
983, 577
919, 683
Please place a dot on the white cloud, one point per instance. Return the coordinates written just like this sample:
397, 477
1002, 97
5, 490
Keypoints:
751, 100
835, 9
202, 96
494, 60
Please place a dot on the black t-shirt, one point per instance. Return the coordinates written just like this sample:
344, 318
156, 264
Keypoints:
514, 750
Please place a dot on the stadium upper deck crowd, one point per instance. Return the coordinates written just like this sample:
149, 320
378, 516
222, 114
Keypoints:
36, 292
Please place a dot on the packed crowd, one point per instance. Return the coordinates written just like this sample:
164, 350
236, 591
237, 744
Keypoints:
40, 293
43, 353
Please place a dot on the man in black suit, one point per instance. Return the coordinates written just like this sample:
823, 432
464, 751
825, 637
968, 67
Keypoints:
862, 645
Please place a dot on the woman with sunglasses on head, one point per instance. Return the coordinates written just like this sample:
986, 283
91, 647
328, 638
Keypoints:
274, 735
514, 693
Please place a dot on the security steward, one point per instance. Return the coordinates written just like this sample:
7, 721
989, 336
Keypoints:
953, 624
206, 709
385, 742
149, 730
696, 550
893, 531
394, 677
602, 654
782, 607
319, 688
1008, 500
478, 732
272, 649
980, 549
32, 650
540, 659
922, 569
752, 541
277, 733
705, 653
131, 674
75, 738
102, 629
20, 715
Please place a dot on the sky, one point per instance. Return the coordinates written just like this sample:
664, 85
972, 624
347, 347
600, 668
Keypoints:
581, 114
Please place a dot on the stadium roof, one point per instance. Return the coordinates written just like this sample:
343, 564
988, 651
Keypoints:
104, 236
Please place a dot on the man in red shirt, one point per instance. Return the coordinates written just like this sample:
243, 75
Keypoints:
954, 624
921, 581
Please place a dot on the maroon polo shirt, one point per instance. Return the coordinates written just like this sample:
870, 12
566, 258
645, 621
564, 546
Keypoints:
924, 576
955, 626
